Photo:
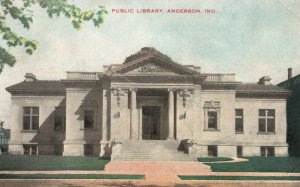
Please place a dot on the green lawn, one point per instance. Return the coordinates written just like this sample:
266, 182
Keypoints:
264, 178
70, 176
260, 164
50, 162
213, 159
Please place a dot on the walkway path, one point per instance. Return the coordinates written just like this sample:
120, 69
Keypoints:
158, 171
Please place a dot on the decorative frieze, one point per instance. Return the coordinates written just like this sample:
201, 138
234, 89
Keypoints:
212, 104
150, 67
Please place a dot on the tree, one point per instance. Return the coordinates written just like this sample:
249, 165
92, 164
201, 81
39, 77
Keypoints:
21, 10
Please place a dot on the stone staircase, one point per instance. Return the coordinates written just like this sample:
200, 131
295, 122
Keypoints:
152, 150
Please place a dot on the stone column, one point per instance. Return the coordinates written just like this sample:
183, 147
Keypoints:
171, 115
104, 143
140, 112
104, 116
133, 120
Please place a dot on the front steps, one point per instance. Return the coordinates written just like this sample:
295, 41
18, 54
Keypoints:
152, 150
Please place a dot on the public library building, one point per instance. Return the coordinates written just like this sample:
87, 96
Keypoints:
148, 98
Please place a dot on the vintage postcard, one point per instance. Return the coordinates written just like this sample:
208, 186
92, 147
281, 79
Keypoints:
149, 93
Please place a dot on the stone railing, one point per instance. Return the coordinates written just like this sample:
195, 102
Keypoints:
82, 76
220, 77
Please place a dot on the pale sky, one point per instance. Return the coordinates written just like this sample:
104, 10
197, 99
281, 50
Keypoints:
249, 38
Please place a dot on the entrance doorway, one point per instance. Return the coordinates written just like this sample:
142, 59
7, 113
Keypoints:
151, 123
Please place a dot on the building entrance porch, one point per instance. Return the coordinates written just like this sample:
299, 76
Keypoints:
152, 114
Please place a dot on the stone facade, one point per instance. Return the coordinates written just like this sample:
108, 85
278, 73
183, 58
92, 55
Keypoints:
148, 97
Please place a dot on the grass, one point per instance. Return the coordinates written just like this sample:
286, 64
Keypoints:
70, 176
289, 178
260, 164
213, 159
50, 162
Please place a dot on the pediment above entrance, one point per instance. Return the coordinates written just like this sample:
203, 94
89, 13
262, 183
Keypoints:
150, 61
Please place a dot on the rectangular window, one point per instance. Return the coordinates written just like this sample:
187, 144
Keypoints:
60, 119
266, 121
30, 149
212, 150
88, 119
212, 120
30, 118
88, 149
239, 120
239, 151
26, 150
267, 151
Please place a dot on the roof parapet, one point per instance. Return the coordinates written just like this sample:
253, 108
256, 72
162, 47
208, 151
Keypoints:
83, 75
217, 77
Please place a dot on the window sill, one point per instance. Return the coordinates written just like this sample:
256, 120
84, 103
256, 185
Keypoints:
29, 131
212, 130
92, 128
239, 132
266, 133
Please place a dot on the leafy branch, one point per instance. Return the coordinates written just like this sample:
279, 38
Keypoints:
23, 13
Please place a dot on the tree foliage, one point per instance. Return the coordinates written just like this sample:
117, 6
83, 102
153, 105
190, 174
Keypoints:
21, 10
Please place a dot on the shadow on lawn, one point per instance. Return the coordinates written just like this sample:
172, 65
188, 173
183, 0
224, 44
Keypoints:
130, 184
71, 185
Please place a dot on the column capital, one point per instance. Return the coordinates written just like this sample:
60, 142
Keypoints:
171, 89
133, 89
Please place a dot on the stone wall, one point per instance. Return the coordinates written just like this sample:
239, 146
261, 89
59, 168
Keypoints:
79, 100
46, 137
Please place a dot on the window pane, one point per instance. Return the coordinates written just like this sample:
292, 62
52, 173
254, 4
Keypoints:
212, 120
35, 122
26, 110
35, 110
262, 125
262, 151
26, 149
212, 124
33, 149
212, 150
271, 113
88, 119
239, 125
262, 112
239, 151
59, 123
270, 151
271, 125
26, 122
239, 112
